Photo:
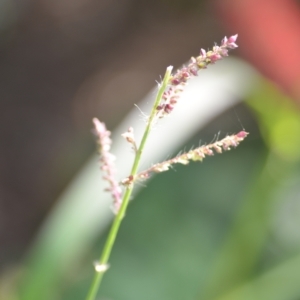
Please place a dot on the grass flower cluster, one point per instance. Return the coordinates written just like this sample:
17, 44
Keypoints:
197, 154
168, 95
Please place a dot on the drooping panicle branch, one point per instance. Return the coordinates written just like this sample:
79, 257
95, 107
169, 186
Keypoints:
107, 162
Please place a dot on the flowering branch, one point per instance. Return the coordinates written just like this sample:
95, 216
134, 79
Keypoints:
167, 96
197, 154
107, 161
179, 79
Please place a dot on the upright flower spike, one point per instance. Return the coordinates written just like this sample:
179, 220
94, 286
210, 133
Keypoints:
180, 78
107, 162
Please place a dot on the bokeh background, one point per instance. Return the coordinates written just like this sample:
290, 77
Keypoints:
224, 229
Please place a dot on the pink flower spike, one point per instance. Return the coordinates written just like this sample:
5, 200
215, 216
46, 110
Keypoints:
179, 80
198, 154
107, 162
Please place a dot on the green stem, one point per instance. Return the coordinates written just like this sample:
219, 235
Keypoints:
121, 213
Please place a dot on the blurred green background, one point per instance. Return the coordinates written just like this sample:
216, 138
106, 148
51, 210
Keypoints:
226, 228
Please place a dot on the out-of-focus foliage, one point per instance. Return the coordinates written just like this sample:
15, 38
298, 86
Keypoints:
263, 45
250, 249
279, 120
225, 229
